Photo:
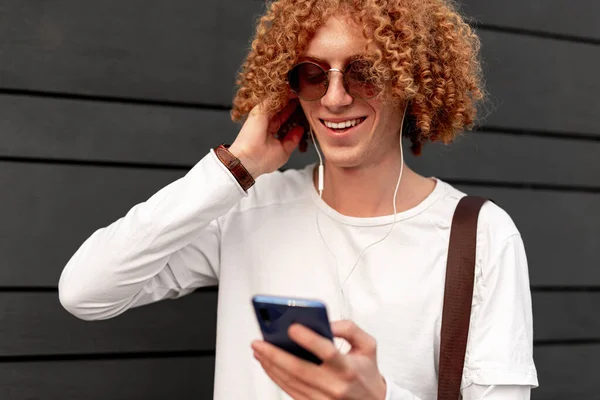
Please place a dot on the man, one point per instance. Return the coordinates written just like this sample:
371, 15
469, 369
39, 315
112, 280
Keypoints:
363, 73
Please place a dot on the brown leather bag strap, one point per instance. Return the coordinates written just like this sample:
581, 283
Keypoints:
458, 295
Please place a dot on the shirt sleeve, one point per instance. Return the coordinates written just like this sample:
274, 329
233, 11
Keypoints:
472, 392
162, 248
395, 392
500, 343
504, 392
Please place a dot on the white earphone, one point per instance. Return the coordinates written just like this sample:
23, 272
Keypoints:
320, 186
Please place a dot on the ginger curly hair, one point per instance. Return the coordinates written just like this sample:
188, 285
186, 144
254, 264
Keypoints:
426, 54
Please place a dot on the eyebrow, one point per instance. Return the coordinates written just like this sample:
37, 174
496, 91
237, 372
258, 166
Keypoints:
318, 60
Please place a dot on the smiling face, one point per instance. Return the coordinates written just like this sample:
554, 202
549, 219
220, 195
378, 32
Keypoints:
351, 132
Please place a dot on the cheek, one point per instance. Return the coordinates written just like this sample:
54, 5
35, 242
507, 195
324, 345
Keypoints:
307, 107
392, 117
309, 111
381, 119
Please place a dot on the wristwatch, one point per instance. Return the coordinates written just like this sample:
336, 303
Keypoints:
235, 166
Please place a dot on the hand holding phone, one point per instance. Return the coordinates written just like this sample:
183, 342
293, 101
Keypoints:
356, 371
276, 314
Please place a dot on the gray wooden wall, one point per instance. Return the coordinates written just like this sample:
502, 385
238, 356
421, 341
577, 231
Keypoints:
102, 103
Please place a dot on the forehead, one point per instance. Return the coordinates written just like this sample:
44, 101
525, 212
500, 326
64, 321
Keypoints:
336, 41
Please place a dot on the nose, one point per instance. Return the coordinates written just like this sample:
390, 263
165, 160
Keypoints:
336, 96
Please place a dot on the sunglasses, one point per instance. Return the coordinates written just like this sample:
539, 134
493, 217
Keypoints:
309, 81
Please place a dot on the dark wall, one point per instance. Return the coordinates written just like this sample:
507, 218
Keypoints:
103, 103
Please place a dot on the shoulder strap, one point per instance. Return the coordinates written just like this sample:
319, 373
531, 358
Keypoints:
458, 295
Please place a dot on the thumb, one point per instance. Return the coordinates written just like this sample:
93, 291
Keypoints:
358, 339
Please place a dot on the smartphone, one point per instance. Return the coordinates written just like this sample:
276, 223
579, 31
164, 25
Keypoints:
276, 314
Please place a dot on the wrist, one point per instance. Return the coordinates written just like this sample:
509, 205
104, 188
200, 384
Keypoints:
247, 161
235, 166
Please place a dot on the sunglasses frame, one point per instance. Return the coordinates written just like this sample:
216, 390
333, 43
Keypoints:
327, 80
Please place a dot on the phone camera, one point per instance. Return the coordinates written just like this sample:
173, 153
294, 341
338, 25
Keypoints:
264, 315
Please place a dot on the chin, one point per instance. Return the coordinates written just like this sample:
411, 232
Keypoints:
346, 150
344, 157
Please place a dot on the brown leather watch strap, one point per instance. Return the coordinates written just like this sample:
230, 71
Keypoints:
234, 165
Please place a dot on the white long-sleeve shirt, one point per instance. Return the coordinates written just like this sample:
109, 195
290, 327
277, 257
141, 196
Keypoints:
280, 238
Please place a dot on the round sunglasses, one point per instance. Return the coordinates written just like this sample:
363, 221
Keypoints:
309, 81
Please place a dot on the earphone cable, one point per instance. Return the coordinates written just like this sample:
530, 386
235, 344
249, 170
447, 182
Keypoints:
341, 284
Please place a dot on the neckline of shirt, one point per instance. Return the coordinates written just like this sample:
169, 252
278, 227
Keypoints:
435, 194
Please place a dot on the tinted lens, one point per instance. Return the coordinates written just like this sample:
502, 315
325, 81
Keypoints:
308, 81
359, 80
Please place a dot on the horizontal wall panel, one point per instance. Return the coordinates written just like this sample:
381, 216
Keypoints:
89, 130
566, 316
541, 84
561, 232
552, 16
497, 157
36, 324
49, 210
99, 131
178, 51
135, 379
567, 372
190, 52
560, 229
564, 372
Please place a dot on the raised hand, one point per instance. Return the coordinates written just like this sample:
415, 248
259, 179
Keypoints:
257, 146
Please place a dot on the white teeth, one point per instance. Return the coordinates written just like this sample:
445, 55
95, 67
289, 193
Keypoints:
342, 125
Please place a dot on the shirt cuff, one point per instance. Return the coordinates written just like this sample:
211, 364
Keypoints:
227, 172
395, 392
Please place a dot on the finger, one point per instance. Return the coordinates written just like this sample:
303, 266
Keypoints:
320, 346
303, 146
289, 362
358, 339
283, 379
292, 139
256, 110
313, 377
305, 371
279, 119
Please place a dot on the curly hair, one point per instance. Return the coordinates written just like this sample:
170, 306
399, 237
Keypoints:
425, 54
